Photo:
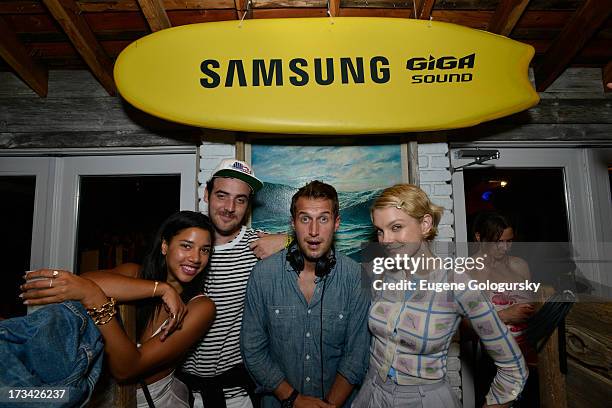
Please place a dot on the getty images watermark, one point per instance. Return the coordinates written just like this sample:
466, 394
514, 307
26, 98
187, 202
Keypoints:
520, 272
412, 265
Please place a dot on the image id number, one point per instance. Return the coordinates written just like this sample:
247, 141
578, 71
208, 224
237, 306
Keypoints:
8, 394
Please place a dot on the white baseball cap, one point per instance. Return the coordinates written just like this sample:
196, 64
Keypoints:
240, 170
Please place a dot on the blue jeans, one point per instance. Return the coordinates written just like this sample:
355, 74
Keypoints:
56, 346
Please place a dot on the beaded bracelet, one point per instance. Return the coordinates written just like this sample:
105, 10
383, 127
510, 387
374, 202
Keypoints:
103, 314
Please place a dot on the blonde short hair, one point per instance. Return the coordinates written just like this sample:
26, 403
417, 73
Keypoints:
413, 201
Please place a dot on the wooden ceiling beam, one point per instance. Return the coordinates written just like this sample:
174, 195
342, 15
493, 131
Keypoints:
16, 55
376, 12
289, 3
155, 13
132, 5
241, 8
423, 9
581, 27
334, 8
69, 17
507, 14
290, 12
539, 23
607, 77
19, 7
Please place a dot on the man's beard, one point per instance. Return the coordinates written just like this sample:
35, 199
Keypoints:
232, 227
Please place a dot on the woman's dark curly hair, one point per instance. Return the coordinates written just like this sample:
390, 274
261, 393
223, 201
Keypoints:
154, 265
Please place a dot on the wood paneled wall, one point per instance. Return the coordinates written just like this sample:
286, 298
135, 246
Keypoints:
79, 113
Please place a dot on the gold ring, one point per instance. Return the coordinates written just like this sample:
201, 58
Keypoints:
173, 316
55, 274
50, 282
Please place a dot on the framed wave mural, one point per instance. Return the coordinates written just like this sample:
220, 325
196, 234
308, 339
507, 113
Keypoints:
358, 173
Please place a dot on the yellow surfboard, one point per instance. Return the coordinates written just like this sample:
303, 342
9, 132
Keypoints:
326, 75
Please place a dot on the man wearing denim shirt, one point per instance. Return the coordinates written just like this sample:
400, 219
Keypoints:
304, 335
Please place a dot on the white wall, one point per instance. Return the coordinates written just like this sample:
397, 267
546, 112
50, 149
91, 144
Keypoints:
435, 178
211, 153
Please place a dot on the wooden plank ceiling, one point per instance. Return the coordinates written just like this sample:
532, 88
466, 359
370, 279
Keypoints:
36, 36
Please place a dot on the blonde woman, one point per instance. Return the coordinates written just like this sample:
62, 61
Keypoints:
412, 329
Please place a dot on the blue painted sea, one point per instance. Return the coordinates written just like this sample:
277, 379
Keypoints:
271, 213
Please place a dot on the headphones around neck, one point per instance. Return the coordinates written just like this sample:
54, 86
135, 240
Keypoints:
323, 266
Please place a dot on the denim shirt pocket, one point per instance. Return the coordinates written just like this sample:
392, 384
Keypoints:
334, 328
282, 321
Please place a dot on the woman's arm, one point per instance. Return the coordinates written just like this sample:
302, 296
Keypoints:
126, 361
123, 283
120, 283
498, 341
519, 312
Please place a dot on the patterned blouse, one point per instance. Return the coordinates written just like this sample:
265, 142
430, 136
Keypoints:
412, 332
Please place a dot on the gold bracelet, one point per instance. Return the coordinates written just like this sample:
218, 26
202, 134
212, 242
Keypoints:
155, 288
102, 309
102, 320
289, 240
103, 314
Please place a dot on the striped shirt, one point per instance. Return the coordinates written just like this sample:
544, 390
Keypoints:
219, 349
412, 332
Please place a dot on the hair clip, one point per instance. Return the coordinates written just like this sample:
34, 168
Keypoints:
399, 205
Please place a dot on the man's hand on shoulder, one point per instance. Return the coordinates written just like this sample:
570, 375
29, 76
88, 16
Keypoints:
304, 401
268, 244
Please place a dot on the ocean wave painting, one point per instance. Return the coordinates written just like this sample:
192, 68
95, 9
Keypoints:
358, 173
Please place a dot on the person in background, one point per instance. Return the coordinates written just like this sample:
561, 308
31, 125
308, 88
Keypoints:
304, 332
214, 370
412, 329
494, 234
172, 273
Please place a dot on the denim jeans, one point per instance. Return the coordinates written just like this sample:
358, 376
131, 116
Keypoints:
56, 346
